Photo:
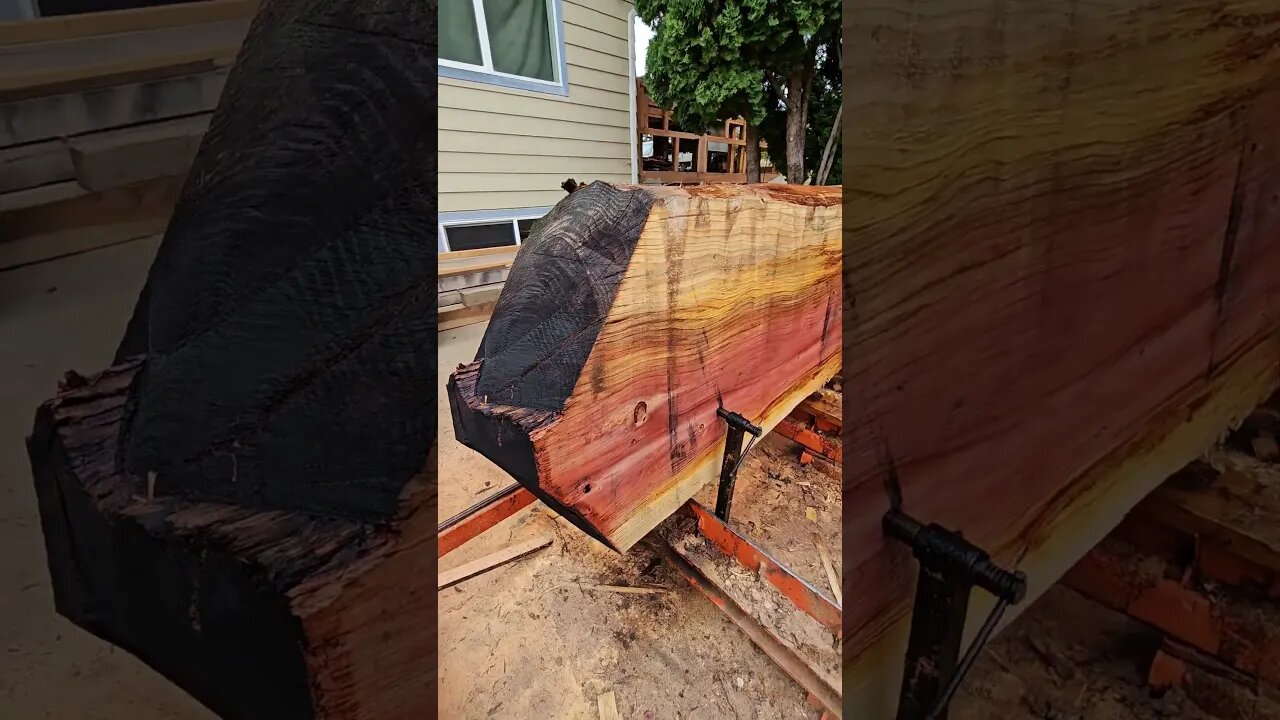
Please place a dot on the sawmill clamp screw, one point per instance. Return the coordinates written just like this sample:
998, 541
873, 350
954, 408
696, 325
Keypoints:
950, 567
734, 453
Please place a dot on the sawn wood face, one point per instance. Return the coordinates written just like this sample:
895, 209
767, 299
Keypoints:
731, 297
1062, 244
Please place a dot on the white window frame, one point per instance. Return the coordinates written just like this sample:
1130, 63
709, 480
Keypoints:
512, 217
486, 69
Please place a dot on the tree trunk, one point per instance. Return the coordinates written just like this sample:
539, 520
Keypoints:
752, 137
796, 106
828, 153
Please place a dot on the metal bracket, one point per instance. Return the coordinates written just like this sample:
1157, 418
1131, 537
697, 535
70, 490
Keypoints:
950, 567
733, 455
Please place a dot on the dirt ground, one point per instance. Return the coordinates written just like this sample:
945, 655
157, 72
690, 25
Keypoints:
535, 640
54, 316
1069, 658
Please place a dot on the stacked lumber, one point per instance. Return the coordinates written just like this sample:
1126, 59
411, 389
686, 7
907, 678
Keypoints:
1199, 561
1062, 277
633, 314
245, 498
469, 282
103, 115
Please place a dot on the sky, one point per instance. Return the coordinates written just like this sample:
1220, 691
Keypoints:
643, 33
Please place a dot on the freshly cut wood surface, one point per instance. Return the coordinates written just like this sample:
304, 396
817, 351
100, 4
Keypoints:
630, 315
1062, 271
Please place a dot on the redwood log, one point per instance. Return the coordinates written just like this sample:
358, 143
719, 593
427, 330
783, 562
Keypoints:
245, 501
256, 613
630, 316
1062, 273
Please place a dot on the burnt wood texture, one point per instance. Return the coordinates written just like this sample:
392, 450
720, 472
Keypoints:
289, 318
1062, 276
245, 499
630, 316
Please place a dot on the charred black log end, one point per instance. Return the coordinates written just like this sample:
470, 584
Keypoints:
555, 299
289, 319
214, 625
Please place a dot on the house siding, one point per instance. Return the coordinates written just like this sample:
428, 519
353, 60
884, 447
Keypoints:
504, 148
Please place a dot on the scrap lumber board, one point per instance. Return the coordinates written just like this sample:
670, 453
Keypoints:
466, 571
257, 614
630, 316
245, 501
1062, 276
65, 27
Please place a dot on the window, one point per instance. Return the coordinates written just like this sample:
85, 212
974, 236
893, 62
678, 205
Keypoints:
486, 228
515, 43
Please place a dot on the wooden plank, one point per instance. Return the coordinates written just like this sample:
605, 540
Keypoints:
826, 404
1236, 506
607, 707
471, 268
445, 257
457, 316
42, 195
50, 246
481, 295
620, 360
1017, 368
67, 206
119, 157
28, 166
47, 29
70, 114
674, 176
466, 571
14, 88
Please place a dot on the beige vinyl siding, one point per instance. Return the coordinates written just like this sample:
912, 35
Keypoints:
503, 148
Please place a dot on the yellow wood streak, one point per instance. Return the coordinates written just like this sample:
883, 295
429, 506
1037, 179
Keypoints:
718, 286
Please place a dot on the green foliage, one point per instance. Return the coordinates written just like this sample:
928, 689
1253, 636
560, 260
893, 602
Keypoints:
827, 88
715, 59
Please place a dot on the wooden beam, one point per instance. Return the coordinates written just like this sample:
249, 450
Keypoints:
630, 315
456, 316
1017, 367
139, 70
66, 27
825, 404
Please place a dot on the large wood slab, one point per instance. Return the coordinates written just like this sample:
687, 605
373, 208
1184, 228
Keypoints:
630, 316
1062, 275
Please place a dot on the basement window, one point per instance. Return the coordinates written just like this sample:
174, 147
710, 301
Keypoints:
474, 237
514, 43
486, 228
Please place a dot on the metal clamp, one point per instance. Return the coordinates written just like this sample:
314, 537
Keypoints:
950, 567
733, 456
